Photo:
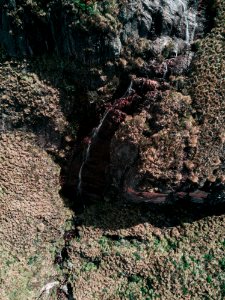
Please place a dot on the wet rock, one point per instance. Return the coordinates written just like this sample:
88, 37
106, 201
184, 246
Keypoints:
92, 174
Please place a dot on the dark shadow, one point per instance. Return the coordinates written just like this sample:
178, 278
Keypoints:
119, 215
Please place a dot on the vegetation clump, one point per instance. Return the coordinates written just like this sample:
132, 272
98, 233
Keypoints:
207, 91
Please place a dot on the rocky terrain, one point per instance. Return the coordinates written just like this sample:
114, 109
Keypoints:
112, 149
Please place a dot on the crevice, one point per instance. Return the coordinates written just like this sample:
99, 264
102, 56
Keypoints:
129, 238
70, 291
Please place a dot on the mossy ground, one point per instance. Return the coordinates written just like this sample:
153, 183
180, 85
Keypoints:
32, 214
22, 277
127, 252
206, 87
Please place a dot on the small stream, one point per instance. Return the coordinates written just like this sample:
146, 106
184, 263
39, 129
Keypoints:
189, 32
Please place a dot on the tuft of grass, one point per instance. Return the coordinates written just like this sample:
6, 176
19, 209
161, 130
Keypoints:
103, 242
137, 255
209, 279
32, 260
89, 266
222, 289
134, 278
185, 263
223, 243
137, 288
185, 291
156, 242
172, 245
209, 257
85, 6
222, 264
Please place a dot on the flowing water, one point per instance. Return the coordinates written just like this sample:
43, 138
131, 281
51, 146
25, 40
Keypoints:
87, 153
187, 14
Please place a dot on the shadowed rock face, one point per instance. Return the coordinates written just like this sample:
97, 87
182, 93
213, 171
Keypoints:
147, 151
37, 27
92, 174
96, 159
172, 147
132, 30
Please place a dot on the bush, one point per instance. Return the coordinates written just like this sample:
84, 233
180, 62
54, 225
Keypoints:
87, 6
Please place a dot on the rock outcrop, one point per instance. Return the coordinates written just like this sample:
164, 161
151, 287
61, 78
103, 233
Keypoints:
151, 142
179, 137
159, 154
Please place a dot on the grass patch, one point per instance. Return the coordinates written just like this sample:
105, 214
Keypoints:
222, 264
209, 279
209, 257
89, 267
186, 265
